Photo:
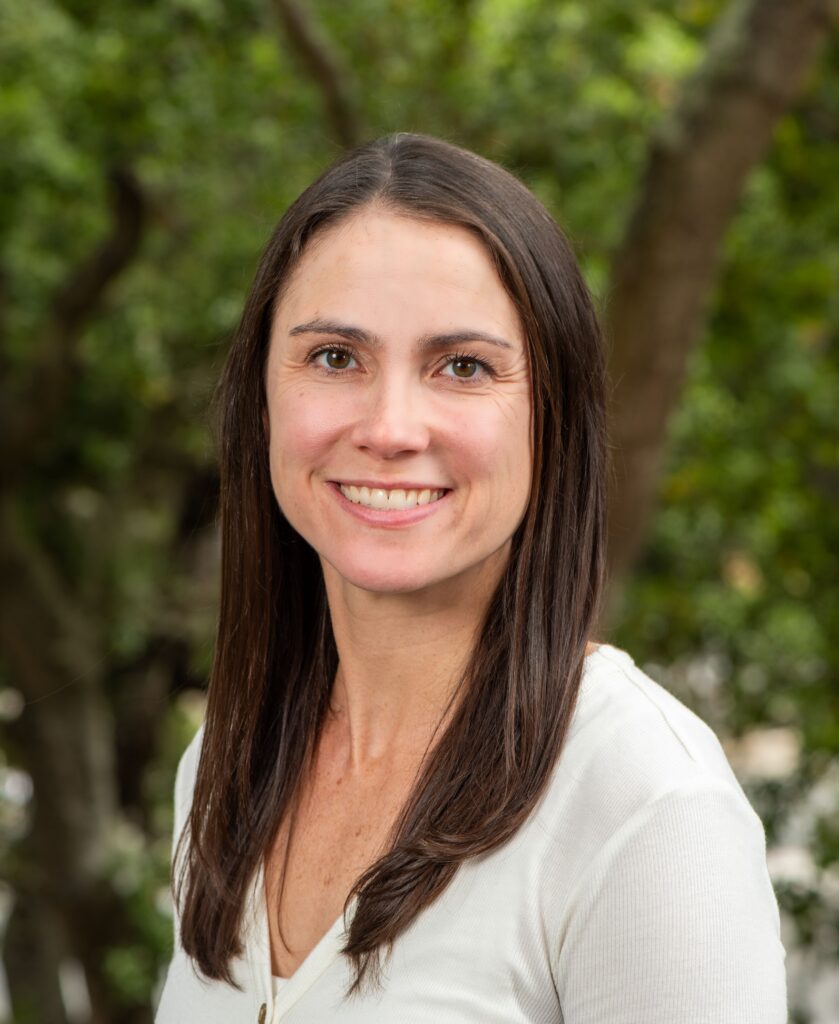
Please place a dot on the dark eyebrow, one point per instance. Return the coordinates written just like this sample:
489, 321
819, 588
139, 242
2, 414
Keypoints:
427, 342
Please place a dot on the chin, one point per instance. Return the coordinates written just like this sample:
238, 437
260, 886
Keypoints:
396, 578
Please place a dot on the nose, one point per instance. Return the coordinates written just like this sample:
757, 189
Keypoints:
392, 420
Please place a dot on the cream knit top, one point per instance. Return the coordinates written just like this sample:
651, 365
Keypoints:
636, 892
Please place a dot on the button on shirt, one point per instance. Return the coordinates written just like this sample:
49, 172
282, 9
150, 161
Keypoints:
636, 891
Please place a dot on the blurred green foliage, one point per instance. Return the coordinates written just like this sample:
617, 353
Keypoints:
209, 107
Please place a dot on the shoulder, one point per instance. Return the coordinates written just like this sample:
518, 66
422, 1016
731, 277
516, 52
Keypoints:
636, 758
627, 727
185, 779
188, 763
662, 861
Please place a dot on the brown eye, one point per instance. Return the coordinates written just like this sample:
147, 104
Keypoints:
337, 359
468, 368
333, 358
464, 368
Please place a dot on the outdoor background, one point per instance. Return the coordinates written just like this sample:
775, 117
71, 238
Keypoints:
690, 148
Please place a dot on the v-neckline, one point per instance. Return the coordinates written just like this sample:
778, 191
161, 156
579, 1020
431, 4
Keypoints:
319, 958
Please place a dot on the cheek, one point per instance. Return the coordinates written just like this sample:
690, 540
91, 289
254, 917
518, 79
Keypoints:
495, 439
303, 426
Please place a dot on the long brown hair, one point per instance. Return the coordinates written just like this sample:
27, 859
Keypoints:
275, 656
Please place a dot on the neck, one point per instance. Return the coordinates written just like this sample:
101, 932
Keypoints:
400, 661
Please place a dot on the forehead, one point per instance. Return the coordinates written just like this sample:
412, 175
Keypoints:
387, 266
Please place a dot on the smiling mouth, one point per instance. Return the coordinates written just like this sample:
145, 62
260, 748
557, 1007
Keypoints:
378, 497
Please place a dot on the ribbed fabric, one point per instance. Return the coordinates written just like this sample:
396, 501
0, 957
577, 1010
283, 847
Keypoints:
636, 893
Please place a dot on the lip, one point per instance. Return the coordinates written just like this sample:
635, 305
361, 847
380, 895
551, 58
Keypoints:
391, 485
392, 518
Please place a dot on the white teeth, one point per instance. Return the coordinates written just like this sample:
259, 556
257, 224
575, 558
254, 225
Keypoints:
377, 497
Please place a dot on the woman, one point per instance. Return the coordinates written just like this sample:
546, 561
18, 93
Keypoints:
421, 794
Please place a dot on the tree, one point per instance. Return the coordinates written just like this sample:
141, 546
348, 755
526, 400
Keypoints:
136, 195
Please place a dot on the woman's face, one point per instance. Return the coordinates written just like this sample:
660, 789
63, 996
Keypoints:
398, 404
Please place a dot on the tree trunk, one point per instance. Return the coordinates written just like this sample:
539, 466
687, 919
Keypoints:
33, 948
662, 273
64, 740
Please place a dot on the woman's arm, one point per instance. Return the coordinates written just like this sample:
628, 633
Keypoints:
184, 786
676, 921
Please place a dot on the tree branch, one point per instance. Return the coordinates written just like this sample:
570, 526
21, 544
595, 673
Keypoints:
32, 411
698, 162
325, 68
